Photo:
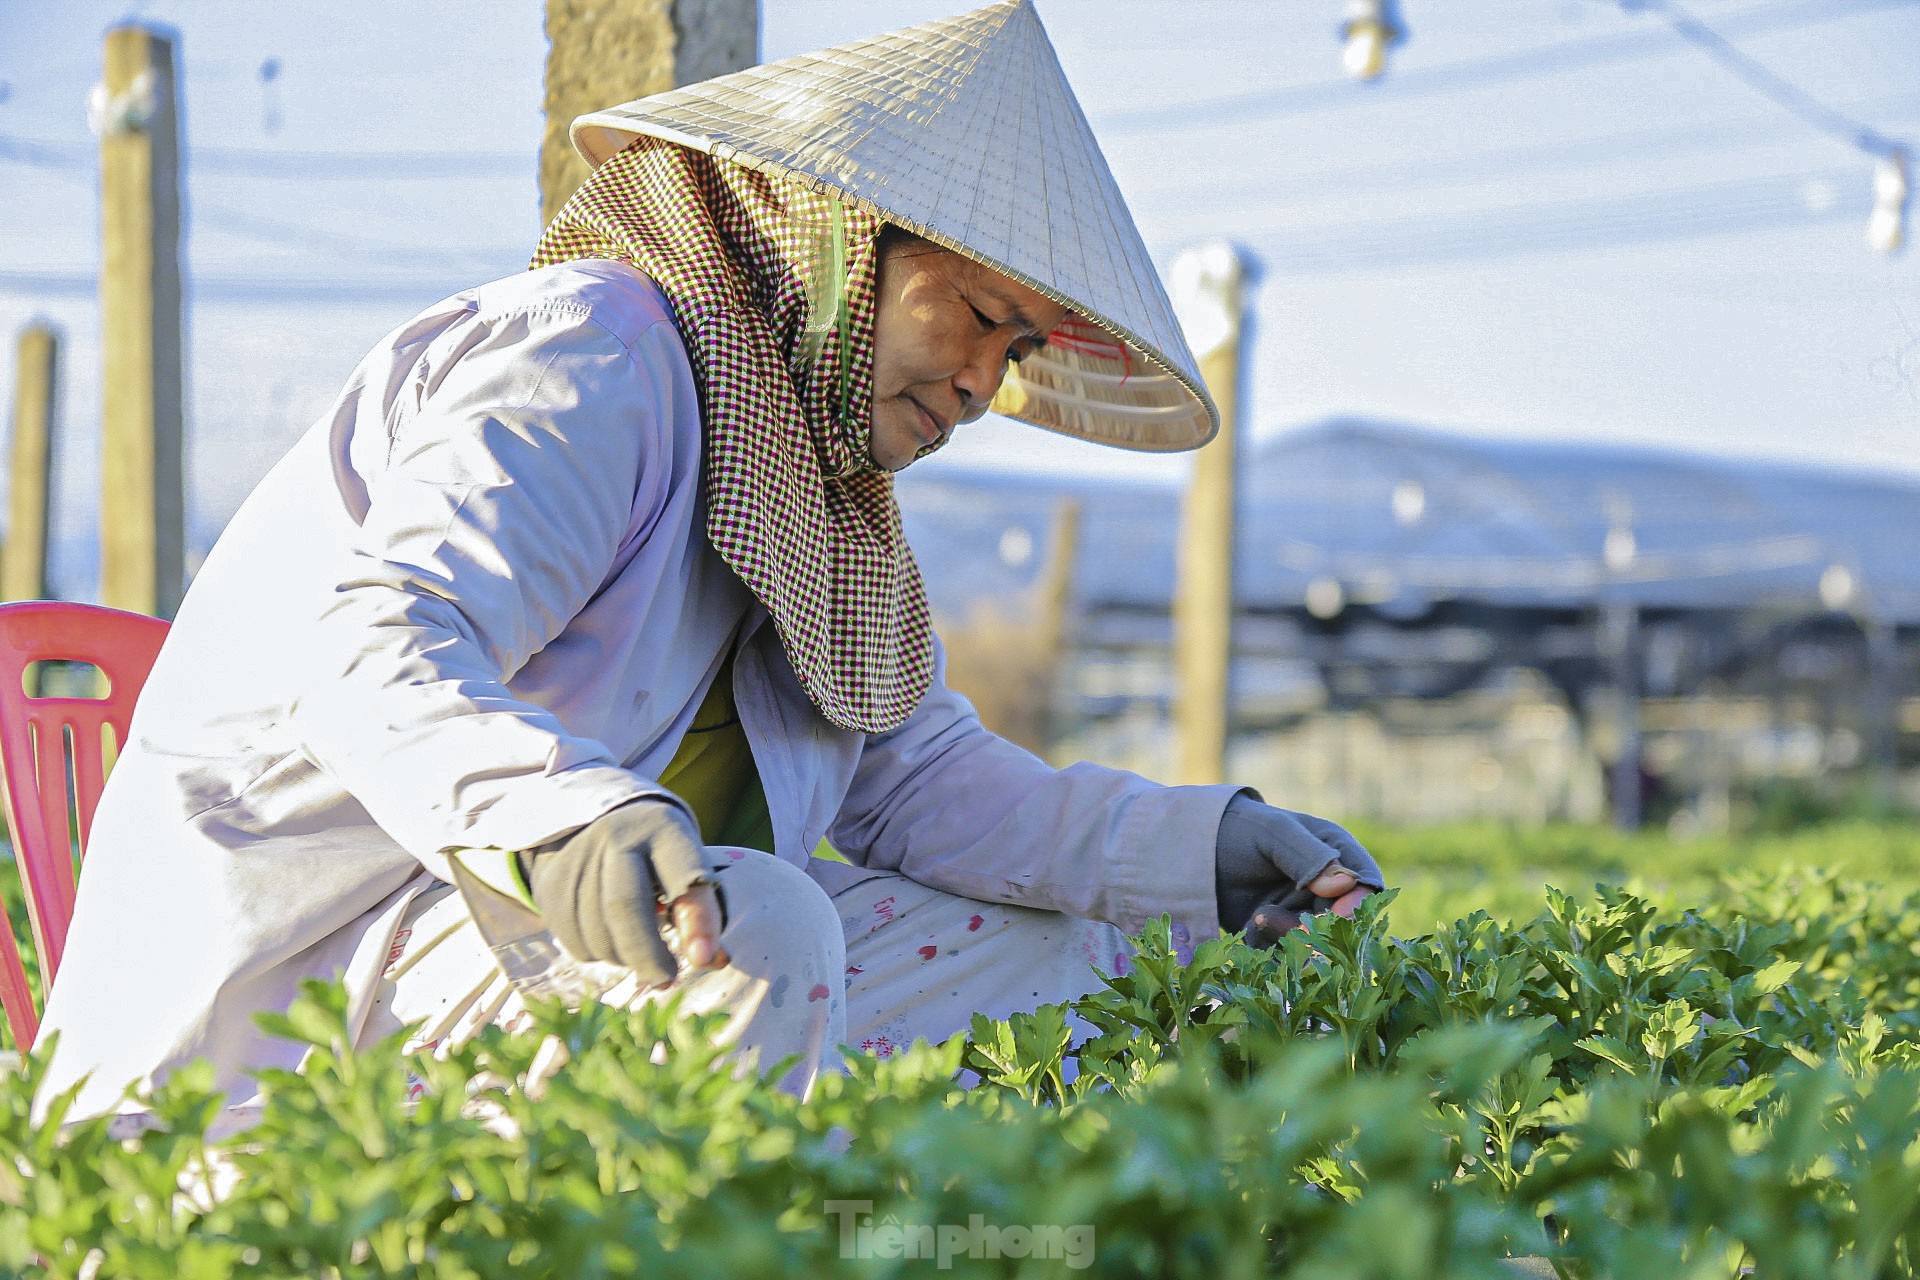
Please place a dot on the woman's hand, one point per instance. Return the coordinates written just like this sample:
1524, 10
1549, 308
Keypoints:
1271, 866
606, 889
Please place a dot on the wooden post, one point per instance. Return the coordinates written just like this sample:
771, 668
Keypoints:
1884, 696
142, 506
1054, 610
1207, 288
23, 558
1620, 645
605, 52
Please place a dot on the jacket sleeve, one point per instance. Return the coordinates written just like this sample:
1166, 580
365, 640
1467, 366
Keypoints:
945, 802
536, 446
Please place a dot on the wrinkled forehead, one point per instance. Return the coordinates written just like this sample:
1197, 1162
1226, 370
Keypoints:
1026, 306
1030, 308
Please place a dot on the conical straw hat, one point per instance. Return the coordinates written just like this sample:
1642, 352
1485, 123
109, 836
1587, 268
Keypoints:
965, 131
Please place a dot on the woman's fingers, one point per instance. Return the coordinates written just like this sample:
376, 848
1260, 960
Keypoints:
696, 918
1346, 904
1331, 881
1335, 881
1269, 924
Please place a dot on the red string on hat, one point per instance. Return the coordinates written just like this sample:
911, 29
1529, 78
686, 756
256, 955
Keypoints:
1084, 338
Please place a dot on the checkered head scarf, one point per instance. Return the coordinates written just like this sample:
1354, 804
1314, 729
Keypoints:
772, 286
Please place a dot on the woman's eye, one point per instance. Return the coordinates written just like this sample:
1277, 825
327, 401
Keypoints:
1015, 353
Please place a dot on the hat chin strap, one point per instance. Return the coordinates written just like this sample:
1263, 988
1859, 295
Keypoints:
842, 317
828, 312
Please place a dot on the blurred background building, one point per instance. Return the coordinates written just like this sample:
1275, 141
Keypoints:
1433, 626
1578, 389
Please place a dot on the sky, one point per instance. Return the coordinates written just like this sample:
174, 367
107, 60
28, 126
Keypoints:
1551, 218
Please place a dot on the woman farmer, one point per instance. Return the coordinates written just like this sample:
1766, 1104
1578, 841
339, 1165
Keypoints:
592, 582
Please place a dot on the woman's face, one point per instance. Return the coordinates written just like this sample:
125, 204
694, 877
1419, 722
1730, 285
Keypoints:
944, 328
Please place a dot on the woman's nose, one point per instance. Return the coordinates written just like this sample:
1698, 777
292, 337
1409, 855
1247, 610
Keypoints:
980, 380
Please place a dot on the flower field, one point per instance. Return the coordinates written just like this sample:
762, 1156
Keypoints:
1715, 1079
1451, 871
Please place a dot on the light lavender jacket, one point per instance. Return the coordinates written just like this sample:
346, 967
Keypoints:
475, 606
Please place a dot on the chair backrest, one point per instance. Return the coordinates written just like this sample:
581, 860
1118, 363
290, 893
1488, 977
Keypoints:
53, 754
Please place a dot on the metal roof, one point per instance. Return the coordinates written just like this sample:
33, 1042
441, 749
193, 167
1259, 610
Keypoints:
1402, 516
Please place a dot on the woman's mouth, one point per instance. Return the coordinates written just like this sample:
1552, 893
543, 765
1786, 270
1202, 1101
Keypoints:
930, 429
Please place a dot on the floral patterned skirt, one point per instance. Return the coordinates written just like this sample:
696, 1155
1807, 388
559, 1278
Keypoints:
834, 955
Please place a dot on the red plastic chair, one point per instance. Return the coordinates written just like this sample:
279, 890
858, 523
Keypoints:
53, 755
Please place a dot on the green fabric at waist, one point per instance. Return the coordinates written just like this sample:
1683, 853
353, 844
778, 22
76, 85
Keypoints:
713, 771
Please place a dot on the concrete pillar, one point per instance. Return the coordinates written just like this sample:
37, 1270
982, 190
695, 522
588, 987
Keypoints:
23, 558
605, 52
1208, 293
142, 506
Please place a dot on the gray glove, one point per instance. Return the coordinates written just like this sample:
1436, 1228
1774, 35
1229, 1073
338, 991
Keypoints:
1266, 857
603, 889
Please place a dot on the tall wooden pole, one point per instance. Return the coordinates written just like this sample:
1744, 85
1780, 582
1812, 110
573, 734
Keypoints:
23, 558
1055, 614
1620, 646
1883, 709
605, 52
1208, 292
142, 507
